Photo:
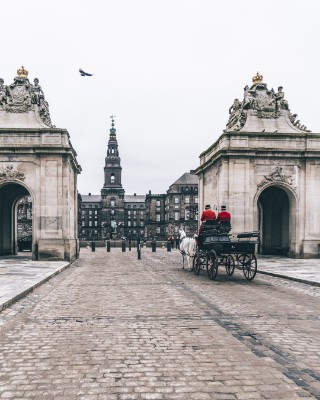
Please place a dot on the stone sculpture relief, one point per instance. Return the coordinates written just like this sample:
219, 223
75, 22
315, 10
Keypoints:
10, 173
266, 103
22, 96
276, 175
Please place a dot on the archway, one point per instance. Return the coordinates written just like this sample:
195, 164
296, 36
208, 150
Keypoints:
10, 194
274, 223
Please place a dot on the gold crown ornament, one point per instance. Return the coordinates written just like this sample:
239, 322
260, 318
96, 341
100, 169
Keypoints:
22, 73
257, 78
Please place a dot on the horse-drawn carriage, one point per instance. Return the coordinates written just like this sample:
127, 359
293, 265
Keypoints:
217, 248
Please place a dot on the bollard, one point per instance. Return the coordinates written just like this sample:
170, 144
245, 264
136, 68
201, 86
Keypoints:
93, 246
154, 246
139, 249
108, 246
129, 244
168, 245
123, 246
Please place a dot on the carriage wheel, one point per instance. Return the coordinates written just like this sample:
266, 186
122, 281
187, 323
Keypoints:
229, 264
212, 264
249, 266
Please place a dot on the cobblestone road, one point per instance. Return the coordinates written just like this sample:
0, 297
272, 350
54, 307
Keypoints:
114, 327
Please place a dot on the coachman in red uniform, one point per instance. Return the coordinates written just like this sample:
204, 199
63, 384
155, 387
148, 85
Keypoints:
208, 214
224, 215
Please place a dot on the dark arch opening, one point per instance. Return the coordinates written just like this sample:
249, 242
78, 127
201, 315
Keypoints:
10, 194
274, 221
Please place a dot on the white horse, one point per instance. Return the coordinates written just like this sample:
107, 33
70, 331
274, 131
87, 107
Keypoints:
187, 248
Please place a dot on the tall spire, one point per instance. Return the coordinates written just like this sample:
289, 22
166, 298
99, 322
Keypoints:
112, 129
112, 169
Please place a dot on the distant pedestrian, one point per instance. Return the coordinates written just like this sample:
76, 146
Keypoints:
172, 242
177, 242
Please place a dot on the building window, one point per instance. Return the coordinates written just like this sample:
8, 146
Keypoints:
187, 199
83, 223
112, 212
129, 223
158, 217
95, 223
158, 203
176, 229
112, 203
112, 178
158, 230
90, 223
176, 200
129, 212
196, 200
176, 216
90, 212
186, 214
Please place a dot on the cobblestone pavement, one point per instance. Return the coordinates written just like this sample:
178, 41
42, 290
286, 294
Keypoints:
114, 327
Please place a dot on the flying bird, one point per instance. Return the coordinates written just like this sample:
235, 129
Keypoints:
82, 73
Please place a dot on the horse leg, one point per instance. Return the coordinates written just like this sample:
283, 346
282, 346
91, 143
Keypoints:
182, 260
189, 259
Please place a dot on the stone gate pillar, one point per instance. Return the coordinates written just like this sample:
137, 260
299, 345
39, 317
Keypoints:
36, 159
265, 151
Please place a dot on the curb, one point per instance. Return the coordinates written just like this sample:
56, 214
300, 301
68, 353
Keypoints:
291, 278
19, 296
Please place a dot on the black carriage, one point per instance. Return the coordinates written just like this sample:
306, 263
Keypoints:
216, 247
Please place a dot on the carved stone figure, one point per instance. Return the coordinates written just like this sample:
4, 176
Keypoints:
3, 93
276, 176
281, 103
235, 115
36, 92
10, 173
248, 98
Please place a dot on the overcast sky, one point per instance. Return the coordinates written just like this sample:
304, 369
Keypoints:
168, 70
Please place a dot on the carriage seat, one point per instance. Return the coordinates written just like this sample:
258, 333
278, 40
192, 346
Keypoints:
245, 235
224, 226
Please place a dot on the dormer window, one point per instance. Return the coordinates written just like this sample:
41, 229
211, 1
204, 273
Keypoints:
112, 178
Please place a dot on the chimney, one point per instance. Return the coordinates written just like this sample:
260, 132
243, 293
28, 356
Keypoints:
89, 194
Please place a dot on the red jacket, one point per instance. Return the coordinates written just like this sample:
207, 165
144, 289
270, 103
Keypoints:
224, 216
208, 214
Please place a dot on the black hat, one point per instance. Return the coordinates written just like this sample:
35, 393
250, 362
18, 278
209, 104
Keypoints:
223, 207
208, 206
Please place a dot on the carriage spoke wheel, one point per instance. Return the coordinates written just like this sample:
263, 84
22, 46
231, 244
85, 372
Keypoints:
229, 264
249, 266
212, 264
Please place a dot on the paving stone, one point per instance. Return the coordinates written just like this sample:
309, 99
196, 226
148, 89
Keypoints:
116, 327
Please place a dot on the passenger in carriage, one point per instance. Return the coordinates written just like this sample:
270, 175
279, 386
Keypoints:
224, 215
224, 220
207, 215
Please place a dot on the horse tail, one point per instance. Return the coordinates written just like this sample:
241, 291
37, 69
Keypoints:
192, 247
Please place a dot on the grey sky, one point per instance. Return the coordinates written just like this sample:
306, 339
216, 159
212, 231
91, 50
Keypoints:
169, 70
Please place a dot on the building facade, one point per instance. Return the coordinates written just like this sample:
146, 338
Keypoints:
115, 215
36, 160
181, 205
265, 168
